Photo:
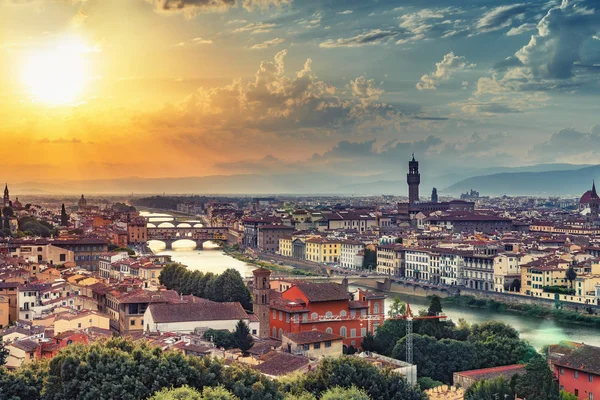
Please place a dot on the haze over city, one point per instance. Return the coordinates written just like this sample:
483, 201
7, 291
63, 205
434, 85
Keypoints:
305, 89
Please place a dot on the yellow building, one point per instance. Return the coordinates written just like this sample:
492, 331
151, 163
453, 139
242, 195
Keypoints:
534, 278
4, 312
285, 246
323, 250
68, 321
313, 344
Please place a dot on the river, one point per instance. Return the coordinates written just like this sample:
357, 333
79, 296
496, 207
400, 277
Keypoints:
537, 331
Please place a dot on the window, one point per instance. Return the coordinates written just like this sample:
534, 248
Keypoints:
274, 314
327, 344
131, 322
306, 347
328, 330
254, 331
317, 346
280, 333
376, 308
329, 314
79, 325
343, 313
343, 331
280, 316
287, 317
353, 332
576, 375
363, 332
591, 396
274, 332
590, 378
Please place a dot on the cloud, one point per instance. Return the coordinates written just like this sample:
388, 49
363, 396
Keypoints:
267, 44
519, 30
190, 8
569, 142
375, 36
275, 108
259, 27
449, 65
431, 23
556, 49
60, 141
501, 17
345, 12
365, 90
200, 40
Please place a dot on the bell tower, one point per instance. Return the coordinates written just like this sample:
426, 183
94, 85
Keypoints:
262, 300
6, 196
413, 178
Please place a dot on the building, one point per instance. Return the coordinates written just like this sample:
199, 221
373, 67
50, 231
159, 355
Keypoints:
285, 246
22, 352
465, 379
390, 259
73, 320
106, 260
351, 254
434, 195
478, 269
322, 250
579, 372
86, 251
413, 178
197, 314
8, 290
137, 231
261, 293
507, 273
41, 251
313, 344
6, 196
4, 312
269, 235
326, 307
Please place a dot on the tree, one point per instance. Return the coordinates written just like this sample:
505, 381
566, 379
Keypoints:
3, 353
242, 338
368, 342
493, 389
347, 372
567, 396
351, 393
370, 259
537, 382
435, 307
64, 217
398, 307
188, 393
426, 383
221, 338
571, 275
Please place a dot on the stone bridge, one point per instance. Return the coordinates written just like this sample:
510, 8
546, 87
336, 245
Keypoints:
184, 231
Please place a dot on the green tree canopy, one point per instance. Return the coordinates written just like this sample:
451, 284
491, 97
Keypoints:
242, 338
537, 382
494, 389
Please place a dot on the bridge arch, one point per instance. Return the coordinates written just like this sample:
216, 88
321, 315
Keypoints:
165, 224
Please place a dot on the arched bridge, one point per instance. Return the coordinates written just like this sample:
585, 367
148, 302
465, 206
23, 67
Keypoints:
184, 231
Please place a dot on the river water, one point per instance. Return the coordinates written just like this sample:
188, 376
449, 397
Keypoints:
537, 331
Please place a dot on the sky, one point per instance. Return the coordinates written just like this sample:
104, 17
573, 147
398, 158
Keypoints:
93, 89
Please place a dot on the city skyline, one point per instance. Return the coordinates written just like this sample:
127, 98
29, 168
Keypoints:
115, 89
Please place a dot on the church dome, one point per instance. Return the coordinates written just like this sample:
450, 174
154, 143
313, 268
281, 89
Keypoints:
586, 198
17, 204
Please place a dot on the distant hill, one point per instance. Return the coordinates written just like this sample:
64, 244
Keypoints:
505, 180
563, 182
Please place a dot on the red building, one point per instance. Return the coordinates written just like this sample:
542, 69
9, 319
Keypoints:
326, 307
579, 372
64, 339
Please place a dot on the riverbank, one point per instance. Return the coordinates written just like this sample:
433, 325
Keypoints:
264, 264
536, 311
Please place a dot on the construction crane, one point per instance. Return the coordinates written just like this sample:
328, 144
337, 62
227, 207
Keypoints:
407, 316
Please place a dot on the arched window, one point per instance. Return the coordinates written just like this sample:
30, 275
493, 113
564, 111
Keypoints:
329, 330
343, 313
314, 316
376, 308
329, 314
343, 331
280, 333
274, 332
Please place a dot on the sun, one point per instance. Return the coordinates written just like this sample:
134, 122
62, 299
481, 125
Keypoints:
57, 74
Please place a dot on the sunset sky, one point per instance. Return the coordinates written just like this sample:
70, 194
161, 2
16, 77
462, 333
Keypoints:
159, 88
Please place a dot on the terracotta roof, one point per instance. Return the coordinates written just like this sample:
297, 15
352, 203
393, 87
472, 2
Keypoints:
25, 345
277, 363
312, 337
317, 292
586, 358
506, 371
205, 311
